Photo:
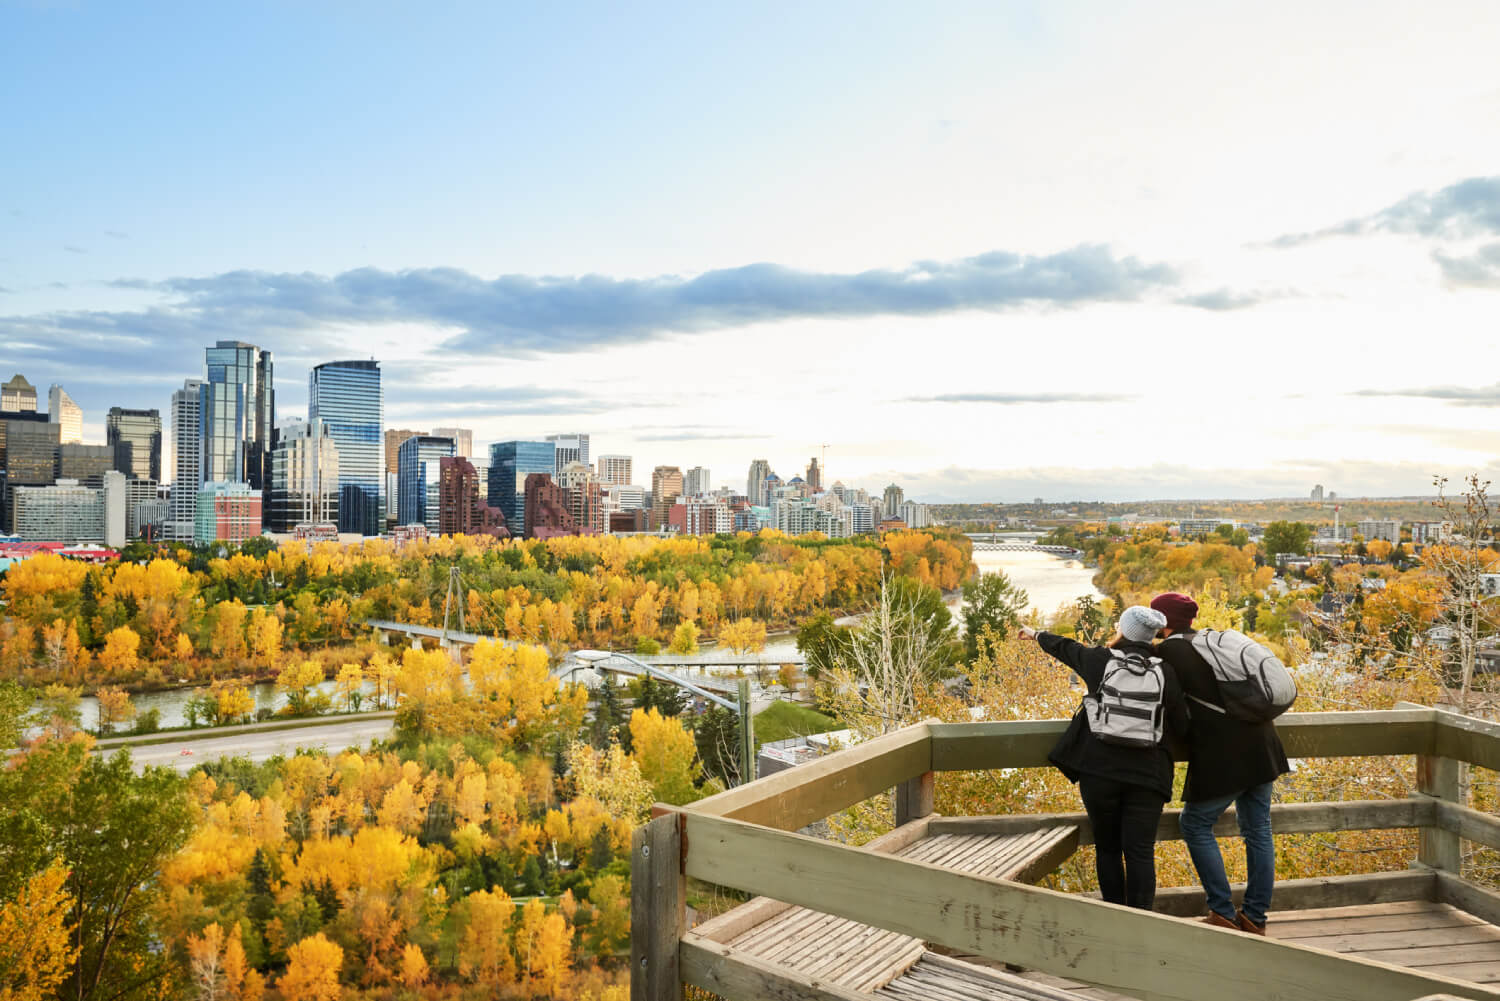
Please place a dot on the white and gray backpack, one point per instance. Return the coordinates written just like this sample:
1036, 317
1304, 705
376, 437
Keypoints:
1254, 685
1128, 708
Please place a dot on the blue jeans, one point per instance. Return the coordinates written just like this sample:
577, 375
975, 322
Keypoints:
1253, 810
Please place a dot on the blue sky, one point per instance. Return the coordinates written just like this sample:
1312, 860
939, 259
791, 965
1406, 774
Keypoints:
980, 248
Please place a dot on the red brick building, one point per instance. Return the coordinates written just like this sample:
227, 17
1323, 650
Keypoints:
460, 512
547, 509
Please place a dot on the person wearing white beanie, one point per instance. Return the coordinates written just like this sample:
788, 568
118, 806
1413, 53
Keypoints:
1124, 788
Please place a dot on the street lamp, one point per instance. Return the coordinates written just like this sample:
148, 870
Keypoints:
741, 705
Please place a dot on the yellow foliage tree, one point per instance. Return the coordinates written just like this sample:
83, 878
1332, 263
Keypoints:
312, 972
684, 638
296, 682
119, 656
114, 707
36, 947
350, 686
413, 967
265, 639
666, 754
484, 950
744, 635
544, 943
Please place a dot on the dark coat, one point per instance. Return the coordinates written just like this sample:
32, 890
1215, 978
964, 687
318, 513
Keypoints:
1079, 752
1225, 755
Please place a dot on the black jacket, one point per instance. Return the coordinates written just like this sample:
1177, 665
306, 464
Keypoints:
1226, 755
1079, 752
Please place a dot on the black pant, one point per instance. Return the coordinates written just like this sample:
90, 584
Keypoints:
1124, 817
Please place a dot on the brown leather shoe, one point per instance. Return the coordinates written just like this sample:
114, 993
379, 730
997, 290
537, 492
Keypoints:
1219, 921
1250, 926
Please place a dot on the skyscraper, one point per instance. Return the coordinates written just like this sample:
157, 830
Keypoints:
17, 396
570, 448
510, 463
66, 414
814, 475
696, 481
755, 483
187, 459
894, 496
346, 396
393, 439
238, 415
614, 469
135, 436
420, 475
463, 440
304, 477
666, 487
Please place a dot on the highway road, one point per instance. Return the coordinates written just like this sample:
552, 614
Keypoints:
260, 746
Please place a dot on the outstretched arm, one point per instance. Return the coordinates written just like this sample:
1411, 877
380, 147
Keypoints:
1084, 660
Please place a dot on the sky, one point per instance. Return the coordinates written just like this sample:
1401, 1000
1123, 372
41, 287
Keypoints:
989, 251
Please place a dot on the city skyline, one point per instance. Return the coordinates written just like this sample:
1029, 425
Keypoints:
976, 252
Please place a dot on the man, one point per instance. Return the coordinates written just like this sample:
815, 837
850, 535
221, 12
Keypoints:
1230, 761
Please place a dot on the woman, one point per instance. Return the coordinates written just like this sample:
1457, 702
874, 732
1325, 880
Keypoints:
1124, 788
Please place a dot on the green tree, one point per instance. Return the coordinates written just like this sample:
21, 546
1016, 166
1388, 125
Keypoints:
991, 601
113, 830
15, 702
716, 732
821, 642
1286, 537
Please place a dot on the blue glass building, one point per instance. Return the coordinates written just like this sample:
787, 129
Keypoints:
419, 479
346, 396
510, 463
237, 415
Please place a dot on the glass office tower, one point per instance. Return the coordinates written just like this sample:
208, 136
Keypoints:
510, 463
419, 473
135, 436
238, 415
346, 396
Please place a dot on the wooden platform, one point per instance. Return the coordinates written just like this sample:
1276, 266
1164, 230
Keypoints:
849, 954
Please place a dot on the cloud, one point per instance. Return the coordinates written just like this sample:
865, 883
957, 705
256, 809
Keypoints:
701, 436
467, 403
1481, 269
1470, 208
522, 315
1014, 399
1463, 396
70, 248
1223, 299
116, 234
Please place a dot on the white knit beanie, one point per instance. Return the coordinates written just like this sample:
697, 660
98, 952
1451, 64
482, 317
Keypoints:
1140, 623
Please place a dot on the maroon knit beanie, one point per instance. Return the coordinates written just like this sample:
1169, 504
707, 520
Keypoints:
1178, 608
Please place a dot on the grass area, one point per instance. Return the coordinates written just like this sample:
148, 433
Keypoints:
781, 720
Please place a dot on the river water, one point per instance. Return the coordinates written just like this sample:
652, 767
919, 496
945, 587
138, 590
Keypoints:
1049, 582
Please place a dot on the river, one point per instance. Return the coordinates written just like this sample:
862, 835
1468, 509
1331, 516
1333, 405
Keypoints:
1049, 582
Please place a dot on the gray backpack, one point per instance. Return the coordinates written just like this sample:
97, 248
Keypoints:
1254, 685
1128, 708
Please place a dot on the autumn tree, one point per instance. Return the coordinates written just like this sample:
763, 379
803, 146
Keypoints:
36, 942
484, 954
114, 707
297, 683
666, 754
993, 603
684, 639
744, 635
312, 972
264, 633
350, 686
119, 656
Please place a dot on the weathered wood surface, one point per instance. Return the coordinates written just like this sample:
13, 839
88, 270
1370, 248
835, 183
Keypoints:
1465, 738
657, 910
1130, 951
1025, 743
792, 799
914, 798
998, 857
1316, 893
1468, 823
1286, 818
941, 978
1477, 900
1436, 937
732, 974
1438, 847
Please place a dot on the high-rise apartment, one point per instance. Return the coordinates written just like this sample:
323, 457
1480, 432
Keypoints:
135, 436
570, 448
346, 396
71, 512
304, 477
894, 496
463, 440
66, 414
461, 511
419, 473
238, 415
227, 512
814, 476
187, 459
695, 482
614, 469
666, 487
393, 439
546, 508
17, 396
755, 483
510, 463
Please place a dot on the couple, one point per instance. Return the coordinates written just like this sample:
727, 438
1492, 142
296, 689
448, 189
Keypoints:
1125, 788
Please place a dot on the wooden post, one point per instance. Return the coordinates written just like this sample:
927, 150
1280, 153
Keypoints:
914, 799
658, 898
1436, 847
747, 733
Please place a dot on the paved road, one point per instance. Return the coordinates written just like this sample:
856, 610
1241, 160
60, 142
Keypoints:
260, 746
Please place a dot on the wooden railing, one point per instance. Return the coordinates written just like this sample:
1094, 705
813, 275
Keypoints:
743, 838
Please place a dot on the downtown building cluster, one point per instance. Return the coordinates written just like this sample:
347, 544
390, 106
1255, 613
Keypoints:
339, 472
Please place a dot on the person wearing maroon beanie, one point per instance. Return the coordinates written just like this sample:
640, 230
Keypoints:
1229, 761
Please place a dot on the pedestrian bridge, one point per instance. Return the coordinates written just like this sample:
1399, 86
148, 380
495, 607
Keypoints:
1067, 552
944, 907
